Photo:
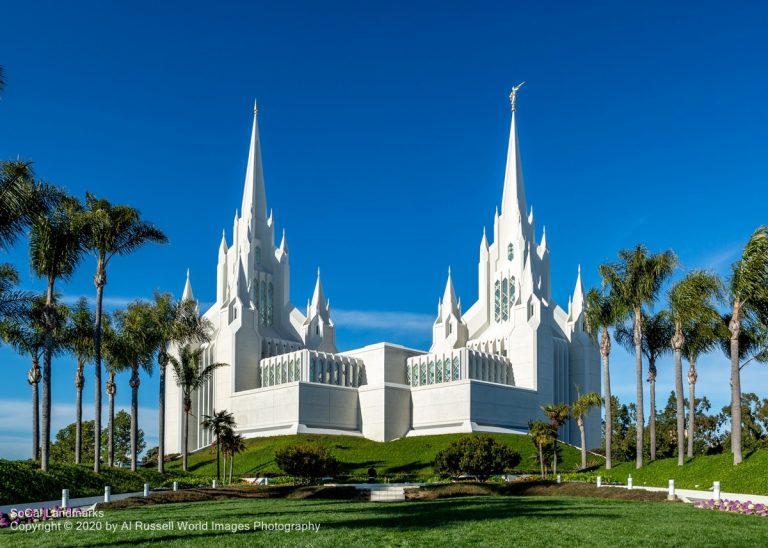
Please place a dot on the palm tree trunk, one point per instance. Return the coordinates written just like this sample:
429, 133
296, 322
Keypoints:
652, 416
185, 427
735, 328
79, 380
218, 452
47, 354
638, 339
231, 466
554, 460
541, 460
691, 405
134, 415
677, 345
605, 350
33, 378
111, 391
583, 432
161, 418
100, 281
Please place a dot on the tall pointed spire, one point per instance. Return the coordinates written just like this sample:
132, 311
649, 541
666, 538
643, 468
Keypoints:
450, 305
578, 296
513, 198
318, 304
187, 293
254, 205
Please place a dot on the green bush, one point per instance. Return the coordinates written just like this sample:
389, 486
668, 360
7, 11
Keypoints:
307, 462
476, 455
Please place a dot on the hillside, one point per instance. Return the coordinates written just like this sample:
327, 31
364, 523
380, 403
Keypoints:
406, 458
697, 473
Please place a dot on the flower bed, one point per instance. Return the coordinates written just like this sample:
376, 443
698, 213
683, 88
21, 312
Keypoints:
748, 508
21, 518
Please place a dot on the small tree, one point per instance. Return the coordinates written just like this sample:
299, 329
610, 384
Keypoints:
219, 423
542, 435
476, 455
306, 462
557, 415
581, 407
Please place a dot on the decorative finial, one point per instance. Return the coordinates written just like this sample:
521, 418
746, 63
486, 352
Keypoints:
513, 95
579, 269
187, 273
255, 106
449, 271
318, 271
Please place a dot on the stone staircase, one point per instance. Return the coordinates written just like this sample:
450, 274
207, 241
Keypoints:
387, 494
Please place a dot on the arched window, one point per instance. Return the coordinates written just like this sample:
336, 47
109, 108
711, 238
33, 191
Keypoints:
497, 301
510, 252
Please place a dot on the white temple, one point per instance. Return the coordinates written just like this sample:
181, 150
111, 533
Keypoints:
489, 369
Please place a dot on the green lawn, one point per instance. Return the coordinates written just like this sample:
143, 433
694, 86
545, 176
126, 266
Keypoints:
481, 521
407, 458
697, 473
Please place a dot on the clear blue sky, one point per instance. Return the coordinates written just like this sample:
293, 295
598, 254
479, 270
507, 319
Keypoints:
383, 132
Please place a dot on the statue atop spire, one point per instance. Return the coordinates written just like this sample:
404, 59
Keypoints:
513, 95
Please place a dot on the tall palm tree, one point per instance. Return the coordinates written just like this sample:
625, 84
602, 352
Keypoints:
178, 323
701, 337
603, 311
690, 301
637, 278
557, 415
116, 356
579, 408
657, 332
79, 341
137, 325
112, 230
748, 296
231, 444
56, 245
189, 377
217, 424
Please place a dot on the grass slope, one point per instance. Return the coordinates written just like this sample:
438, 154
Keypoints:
406, 458
479, 521
697, 473
23, 481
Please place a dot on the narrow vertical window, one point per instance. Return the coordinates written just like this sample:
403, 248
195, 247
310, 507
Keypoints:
257, 254
497, 301
270, 296
510, 252
504, 299
263, 302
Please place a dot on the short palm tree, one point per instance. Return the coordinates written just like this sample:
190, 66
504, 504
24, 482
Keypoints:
79, 341
636, 278
178, 323
557, 415
231, 444
217, 424
602, 312
657, 332
189, 377
691, 301
56, 245
579, 409
748, 297
542, 434
136, 325
700, 338
112, 230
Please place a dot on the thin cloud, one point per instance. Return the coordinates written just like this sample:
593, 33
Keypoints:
391, 321
109, 302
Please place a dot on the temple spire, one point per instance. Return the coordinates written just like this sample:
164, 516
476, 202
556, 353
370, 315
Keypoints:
254, 206
450, 305
513, 207
318, 304
187, 293
578, 296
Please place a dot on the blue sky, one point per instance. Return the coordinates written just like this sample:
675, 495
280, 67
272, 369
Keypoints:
383, 130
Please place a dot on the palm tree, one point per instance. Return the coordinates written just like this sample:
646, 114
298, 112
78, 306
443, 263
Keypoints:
541, 433
21, 199
636, 279
579, 408
56, 245
178, 323
690, 302
117, 359
13, 303
657, 332
79, 341
27, 336
189, 377
112, 230
217, 424
748, 296
231, 444
603, 311
557, 415
700, 337
137, 326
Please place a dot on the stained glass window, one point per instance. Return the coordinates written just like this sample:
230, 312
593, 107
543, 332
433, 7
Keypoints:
439, 371
510, 252
456, 363
270, 295
408, 375
423, 376
262, 302
497, 301
504, 300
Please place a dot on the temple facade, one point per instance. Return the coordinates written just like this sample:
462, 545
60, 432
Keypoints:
489, 369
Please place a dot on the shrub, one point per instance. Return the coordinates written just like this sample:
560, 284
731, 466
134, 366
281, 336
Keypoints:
306, 462
476, 455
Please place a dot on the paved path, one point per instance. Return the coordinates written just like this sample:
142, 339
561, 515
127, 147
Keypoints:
73, 503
